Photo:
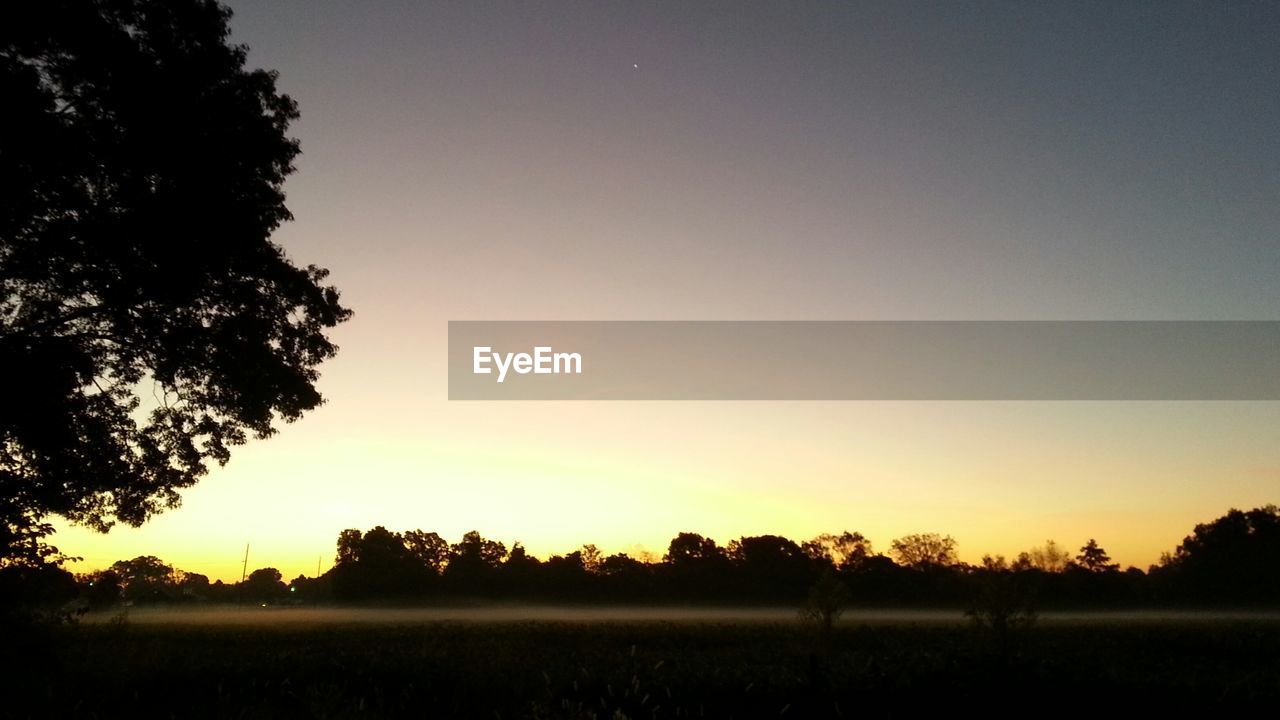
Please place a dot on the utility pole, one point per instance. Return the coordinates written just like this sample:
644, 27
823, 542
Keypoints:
244, 570
317, 566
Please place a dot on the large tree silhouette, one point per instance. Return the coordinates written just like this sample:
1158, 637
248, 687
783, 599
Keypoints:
147, 322
1234, 558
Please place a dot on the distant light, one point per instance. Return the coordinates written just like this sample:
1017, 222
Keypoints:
293, 589
635, 66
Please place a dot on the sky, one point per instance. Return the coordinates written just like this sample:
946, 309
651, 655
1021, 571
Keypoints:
754, 161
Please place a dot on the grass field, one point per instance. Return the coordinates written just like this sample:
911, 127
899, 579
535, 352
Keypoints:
285, 663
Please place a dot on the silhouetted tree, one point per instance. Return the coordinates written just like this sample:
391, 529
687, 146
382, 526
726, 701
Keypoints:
147, 322
845, 551
146, 579
1234, 558
1001, 603
521, 571
348, 546
696, 567
620, 564
1048, 558
193, 586
591, 558
924, 551
824, 605
383, 548
826, 602
473, 562
771, 567
103, 588
376, 565
475, 550
520, 558
428, 548
566, 576
994, 563
303, 589
264, 585
1094, 559
691, 548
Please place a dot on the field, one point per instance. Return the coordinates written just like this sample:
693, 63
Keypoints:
576, 663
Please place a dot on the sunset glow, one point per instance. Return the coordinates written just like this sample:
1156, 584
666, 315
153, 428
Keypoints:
535, 163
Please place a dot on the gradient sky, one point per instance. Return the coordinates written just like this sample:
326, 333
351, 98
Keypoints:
896, 160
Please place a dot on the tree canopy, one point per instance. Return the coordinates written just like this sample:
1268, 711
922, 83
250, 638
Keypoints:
148, 323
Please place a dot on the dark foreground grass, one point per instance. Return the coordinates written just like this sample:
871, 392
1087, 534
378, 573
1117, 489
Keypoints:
637, 670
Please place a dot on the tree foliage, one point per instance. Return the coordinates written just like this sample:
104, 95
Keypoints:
1049, 557
1095, 559
846, 551
924, 551
691, 549
148, 324
1236, 557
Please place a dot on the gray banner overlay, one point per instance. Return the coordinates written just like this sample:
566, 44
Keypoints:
864, 360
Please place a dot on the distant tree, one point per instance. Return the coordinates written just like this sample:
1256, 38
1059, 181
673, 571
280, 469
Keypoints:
193, 586
771, 568
1094, 559
428, 548
924, 551
691, 549
769, 555
474, 562
567, 568
519, 558
845, 551
696, 567
995, 563
223, 592
628, 578
591, 558
376, 564
384, 548
474, 549
349, 541
103, 588
146, 579
148, 324
1046, 558
303, 589
621, 564
264, 585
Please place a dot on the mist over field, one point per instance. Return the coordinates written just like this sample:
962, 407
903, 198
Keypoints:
531, 613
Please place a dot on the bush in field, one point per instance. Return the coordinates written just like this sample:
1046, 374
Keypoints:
826, 602
1001, 605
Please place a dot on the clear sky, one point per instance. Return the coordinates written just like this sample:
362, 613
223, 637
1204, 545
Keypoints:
739, 160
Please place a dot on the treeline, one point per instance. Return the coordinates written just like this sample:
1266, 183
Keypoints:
1234, 560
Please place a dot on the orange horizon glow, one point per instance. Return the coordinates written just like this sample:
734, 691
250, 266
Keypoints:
555, 486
